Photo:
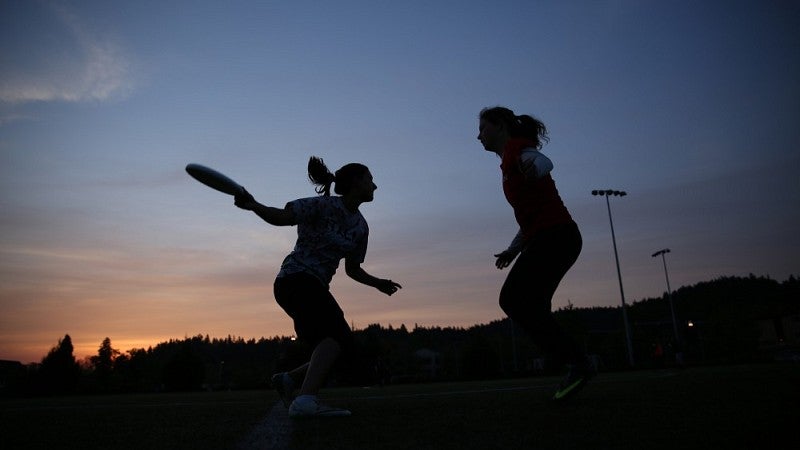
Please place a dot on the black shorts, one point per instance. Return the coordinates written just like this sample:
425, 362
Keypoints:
315, 312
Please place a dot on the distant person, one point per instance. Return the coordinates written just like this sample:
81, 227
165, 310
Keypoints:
329, 228
547, 245
658, 355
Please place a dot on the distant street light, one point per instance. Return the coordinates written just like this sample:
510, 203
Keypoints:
608, 193
669, 291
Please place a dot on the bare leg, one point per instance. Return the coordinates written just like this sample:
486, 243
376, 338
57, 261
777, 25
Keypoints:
317, 369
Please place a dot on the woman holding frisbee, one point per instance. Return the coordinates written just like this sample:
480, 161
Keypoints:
548, 242
329, 229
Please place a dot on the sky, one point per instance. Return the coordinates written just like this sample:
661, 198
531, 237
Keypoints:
690, 107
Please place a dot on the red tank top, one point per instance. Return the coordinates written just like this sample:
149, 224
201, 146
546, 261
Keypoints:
536, 203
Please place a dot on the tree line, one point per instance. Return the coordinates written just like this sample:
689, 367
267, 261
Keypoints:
719, 321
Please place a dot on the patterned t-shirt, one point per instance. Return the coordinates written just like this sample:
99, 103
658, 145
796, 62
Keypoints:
326, 232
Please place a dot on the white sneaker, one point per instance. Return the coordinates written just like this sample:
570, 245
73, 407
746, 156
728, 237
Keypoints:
307, 406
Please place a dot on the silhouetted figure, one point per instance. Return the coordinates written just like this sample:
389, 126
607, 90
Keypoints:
329, 228
658, 355
548, 242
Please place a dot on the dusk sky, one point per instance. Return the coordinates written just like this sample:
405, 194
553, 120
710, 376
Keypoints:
691, 107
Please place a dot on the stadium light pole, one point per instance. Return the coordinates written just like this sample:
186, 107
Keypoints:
663, 252
608, 193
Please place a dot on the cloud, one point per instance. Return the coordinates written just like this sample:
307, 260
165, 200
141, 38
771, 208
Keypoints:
52, 56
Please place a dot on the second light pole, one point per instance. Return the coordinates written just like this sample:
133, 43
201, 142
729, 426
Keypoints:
661, 253
608, 193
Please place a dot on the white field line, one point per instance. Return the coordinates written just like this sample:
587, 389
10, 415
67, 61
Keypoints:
451, 393
544, 386
274, 432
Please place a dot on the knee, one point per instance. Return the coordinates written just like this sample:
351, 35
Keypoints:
529, 308
345, 344
513, 305
506, 303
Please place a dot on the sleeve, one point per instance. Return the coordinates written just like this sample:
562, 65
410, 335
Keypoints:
304, 209
534, 164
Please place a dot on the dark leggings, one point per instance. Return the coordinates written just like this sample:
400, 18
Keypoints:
528, 290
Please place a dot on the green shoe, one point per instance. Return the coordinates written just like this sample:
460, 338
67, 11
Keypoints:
576, 379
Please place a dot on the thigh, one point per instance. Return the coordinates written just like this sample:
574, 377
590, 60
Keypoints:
552, 252
315, 312
541, 266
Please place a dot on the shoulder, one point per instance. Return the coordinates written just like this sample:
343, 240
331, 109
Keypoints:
534, 164
306, 200
513, 150
530, 154
318, 201
306, 207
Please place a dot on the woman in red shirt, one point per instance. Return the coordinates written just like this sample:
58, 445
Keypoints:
548, 242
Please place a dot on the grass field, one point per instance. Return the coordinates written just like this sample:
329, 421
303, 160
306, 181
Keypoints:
755, 406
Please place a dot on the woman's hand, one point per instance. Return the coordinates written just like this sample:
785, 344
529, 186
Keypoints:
505, 258
245, 200
388, 287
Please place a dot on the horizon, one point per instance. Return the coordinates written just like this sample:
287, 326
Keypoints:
356, 328
692, 109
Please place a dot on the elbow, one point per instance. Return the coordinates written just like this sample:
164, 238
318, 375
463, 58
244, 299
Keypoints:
352, 271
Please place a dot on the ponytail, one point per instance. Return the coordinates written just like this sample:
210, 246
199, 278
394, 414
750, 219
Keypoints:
345, 177
533, 129
320, 176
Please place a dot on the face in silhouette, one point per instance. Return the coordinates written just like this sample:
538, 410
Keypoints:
492, 136
363, 189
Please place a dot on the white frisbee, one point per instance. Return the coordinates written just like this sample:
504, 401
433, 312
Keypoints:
213, 179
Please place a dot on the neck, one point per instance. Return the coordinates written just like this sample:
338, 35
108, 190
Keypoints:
501, 146
351, 203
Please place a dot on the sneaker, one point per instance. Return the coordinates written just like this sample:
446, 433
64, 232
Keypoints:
305, 406
284, 386
576, 379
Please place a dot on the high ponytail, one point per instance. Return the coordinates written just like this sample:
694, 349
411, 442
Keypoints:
320, 176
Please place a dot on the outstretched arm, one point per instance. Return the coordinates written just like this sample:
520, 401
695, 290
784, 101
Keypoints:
354, 271
271, 215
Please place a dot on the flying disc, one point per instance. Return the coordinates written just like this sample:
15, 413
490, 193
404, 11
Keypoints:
213, 179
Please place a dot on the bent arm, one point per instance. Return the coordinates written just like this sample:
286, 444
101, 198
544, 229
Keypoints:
357, 273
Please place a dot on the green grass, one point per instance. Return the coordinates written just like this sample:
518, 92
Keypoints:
153, 421
716, 407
